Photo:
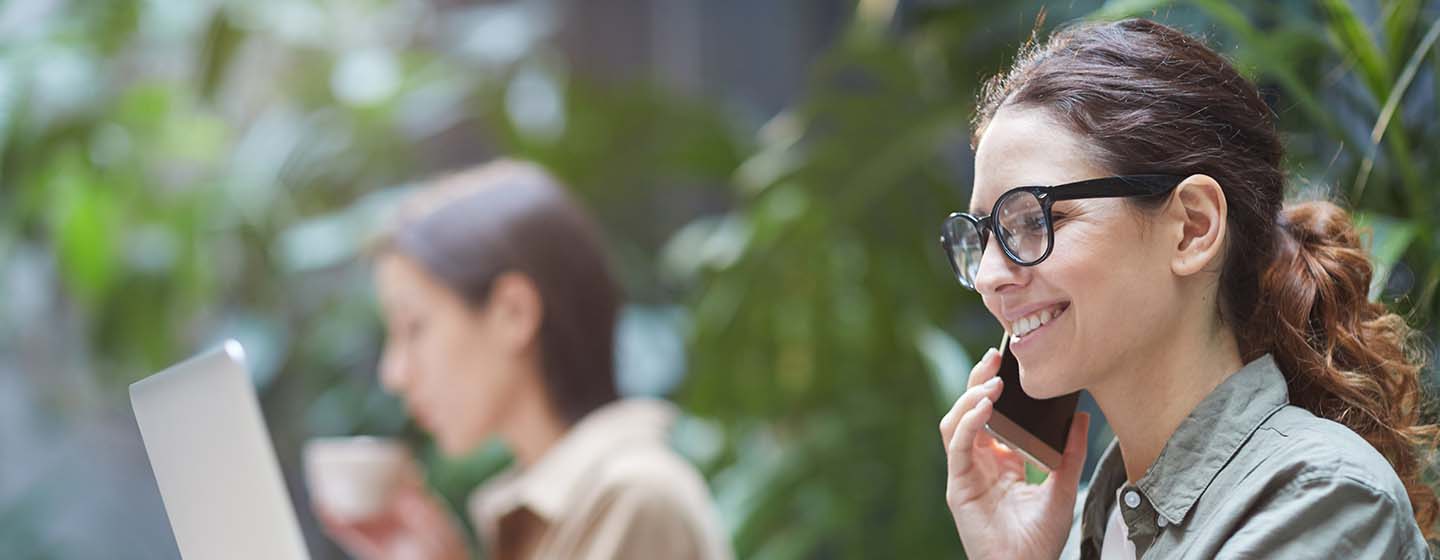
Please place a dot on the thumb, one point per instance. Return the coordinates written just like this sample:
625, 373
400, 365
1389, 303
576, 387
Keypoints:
428, 520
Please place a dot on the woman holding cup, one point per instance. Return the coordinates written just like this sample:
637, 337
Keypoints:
500, 310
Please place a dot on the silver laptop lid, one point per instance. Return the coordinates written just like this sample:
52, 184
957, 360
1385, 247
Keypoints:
213, 460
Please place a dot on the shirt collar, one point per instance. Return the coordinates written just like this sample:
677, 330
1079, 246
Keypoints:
1202, 445
1211, 435
550, 487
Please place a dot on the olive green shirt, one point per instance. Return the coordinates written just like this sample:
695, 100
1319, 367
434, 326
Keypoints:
1247, 475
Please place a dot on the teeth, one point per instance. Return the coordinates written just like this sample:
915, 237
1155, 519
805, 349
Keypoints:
1028, 323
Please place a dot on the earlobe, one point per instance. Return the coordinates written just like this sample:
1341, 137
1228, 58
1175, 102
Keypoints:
1200, 207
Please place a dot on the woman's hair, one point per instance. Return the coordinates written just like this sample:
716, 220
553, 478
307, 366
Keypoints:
1150, 99
468, 228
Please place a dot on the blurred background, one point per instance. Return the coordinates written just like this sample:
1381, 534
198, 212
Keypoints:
771, 177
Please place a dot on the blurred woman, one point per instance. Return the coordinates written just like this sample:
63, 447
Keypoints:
1128, 227
500, 312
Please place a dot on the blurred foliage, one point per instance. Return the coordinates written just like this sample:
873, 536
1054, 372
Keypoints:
201, 170
196, 170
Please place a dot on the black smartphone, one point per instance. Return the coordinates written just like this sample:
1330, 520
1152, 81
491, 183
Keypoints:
1035, 427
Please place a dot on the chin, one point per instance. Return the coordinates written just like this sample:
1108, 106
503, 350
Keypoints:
451, 447
1038, 385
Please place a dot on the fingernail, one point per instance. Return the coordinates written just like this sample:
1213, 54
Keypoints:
992, 382
985, 401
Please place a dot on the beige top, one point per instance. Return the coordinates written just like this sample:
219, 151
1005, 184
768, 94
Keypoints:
611, 488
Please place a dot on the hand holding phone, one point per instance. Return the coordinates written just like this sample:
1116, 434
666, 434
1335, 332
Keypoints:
1035, 427
996, 512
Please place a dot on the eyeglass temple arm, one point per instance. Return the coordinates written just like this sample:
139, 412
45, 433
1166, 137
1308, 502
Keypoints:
1126, 185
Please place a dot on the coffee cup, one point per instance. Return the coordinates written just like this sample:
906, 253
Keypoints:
354, 478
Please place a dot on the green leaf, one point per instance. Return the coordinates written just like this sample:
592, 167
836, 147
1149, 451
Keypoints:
1259, 48
84, 226
1431, 286
1418, 195
1033, 474
1398, 21
1389, 238
1350, 31
1120, 9
947, 362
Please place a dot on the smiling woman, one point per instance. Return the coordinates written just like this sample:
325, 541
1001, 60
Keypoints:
1262, 406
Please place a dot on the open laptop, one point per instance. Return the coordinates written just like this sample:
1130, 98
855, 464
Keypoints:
213, 460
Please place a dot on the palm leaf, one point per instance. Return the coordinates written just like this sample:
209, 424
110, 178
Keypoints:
1418, 195
1355, 40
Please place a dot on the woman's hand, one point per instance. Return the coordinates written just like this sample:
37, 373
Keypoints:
414, 525
997, 513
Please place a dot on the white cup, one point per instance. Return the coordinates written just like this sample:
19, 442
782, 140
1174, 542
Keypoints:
353, 478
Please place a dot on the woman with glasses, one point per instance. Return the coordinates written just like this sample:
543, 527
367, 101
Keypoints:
1128, 228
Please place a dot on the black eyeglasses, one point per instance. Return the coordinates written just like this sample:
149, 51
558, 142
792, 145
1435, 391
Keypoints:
1021, 220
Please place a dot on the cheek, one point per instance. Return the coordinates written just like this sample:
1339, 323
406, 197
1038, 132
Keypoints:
439, 360
1115, 283
1084, 259
465, 372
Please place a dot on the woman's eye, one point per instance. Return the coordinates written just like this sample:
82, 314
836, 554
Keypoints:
1035, 222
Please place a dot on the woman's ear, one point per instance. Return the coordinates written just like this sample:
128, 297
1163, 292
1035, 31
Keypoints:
515, 310
1198, 206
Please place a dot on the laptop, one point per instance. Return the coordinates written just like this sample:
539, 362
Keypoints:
213, 460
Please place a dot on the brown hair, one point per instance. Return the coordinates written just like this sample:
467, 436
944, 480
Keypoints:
468, 228
1151, 99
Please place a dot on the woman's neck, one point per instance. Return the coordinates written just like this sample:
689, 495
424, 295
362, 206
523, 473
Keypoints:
1148, 399
534, 426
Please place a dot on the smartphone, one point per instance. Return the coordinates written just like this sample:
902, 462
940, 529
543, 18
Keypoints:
1037, 428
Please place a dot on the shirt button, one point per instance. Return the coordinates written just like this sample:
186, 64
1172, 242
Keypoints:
1132, 498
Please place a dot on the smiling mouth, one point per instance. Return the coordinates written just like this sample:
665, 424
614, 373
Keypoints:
1029, 324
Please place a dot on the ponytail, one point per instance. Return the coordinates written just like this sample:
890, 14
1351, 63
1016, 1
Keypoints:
1346, 358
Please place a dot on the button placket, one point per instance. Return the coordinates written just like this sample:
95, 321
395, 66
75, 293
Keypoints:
1139, 517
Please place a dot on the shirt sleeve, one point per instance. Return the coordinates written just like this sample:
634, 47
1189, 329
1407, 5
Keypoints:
637, 521
1327, 516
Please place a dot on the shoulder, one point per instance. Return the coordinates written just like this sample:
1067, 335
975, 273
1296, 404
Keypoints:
654, 477
1302, 449
651, 502
1305, 479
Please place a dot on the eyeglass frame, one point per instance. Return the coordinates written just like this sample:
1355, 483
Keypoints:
1115, 186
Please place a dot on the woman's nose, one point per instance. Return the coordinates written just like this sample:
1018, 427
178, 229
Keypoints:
394, 374
996, 271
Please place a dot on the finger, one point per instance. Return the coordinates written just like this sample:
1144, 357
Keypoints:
986, 368
1073, 460
976, 372
357, 542
961, 450
418, 511
427, 519
990, 389
1008, 458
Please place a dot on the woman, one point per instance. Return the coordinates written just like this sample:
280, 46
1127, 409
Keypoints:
1262, 406
500, 311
